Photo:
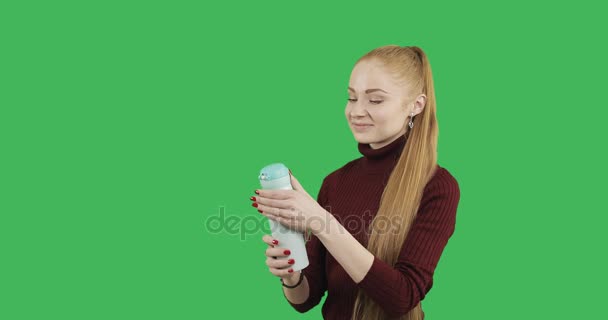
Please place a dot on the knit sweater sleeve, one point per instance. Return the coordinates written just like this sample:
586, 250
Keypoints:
399, 288
315, 271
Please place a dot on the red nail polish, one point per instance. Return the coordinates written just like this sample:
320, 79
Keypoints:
275, 241
252, 198
290, 270
255, 204
257, 192
291, 261
260, 211
287, 252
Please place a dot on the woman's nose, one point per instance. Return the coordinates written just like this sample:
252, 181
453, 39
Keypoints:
358, 110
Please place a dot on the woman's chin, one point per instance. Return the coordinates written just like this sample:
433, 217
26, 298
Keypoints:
363, 137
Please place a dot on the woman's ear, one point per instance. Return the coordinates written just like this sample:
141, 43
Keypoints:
419, 104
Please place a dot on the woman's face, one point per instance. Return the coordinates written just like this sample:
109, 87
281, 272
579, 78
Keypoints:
378, 103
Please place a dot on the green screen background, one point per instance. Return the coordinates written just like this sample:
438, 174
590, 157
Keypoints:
126, 125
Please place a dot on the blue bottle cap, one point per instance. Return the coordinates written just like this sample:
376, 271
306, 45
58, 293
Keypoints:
273, 171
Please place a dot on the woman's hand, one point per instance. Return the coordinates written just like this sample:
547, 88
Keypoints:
278, 267
295, 209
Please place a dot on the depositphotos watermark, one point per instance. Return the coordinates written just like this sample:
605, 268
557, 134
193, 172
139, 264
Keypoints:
252, 224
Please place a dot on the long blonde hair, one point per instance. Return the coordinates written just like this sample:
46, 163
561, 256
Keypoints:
416, 165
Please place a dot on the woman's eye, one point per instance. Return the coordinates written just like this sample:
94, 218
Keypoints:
371, 101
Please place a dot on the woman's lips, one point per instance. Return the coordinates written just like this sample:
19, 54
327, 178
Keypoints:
361, 126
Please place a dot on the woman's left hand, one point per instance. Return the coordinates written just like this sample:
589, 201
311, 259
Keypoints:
295, 209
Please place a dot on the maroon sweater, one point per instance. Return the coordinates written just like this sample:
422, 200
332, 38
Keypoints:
352, 194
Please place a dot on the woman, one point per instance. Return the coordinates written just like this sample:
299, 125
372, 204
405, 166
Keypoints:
381, 221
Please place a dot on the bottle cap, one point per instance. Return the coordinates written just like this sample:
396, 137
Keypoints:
273, 171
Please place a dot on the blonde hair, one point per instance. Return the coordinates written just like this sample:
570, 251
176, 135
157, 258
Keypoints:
416, 165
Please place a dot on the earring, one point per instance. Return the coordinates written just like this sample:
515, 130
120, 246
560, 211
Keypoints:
411, 124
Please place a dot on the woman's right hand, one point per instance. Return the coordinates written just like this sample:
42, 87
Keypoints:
278, 267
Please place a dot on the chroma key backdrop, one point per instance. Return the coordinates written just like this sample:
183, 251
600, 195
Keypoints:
132, 134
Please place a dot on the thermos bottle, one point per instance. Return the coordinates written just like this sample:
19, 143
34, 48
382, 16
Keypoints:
276, 176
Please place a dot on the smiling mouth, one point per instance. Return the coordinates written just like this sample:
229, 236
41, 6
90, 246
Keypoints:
360, 127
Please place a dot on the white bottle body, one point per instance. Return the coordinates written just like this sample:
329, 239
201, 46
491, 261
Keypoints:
288, 238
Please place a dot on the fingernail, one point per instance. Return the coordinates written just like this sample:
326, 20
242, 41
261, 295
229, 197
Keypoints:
255, 204
257, 192
290, 270
287, 252
275, 241
260, 211
291, 261
252, 198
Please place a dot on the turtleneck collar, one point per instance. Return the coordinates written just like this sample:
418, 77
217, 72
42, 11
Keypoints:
393, 149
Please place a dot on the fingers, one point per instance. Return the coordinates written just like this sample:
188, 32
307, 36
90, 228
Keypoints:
272, 212
284, 216
296, 184
279, 263
275, 194
281, 272
278, 267
282, 204
277, 252
269, 240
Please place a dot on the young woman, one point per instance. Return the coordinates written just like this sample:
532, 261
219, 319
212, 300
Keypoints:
380, 222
